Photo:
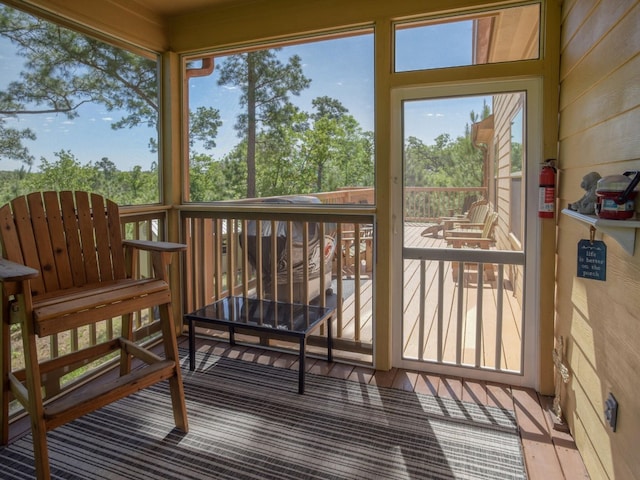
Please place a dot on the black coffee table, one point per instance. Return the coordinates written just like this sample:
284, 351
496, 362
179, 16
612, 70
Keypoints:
270, 318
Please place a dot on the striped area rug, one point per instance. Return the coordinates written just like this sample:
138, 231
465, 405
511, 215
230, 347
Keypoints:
247, 421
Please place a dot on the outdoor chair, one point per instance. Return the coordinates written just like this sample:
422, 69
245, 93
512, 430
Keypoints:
362, 240
66, 266
472, 238
476, 214
473, 225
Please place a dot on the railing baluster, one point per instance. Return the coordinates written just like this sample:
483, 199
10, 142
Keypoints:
218, 261
323, 267
356, 280
421, 320
499, 308
305, 263
245, 258
274, 259
259, 260
339, 285
460, 316
440, 332
479, 313
290, 276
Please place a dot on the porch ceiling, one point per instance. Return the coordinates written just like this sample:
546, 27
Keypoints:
171, 8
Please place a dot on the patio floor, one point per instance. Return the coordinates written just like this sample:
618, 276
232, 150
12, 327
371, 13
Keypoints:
548, 453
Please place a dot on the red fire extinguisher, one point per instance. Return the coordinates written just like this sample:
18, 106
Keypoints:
547, 192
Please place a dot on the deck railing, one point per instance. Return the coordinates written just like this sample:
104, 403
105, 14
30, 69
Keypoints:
323, 258
477, 319
424, 204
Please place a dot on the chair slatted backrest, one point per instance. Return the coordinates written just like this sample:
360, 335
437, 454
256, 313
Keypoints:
72, 238
489, 224
479, 213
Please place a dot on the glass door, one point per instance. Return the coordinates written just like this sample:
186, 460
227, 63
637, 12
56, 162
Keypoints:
461, 253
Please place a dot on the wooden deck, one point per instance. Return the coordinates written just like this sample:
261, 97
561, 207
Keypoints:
496, 345
548, 454
500, 336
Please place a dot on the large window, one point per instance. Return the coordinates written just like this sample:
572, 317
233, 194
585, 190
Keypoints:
75, 113
505, 35
283, 121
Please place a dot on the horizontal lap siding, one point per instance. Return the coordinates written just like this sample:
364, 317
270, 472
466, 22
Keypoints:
599, 115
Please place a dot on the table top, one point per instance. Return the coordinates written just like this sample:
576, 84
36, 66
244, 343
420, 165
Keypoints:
255, 314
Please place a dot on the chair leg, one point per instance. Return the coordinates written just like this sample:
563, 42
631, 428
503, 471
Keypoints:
5, 368
489, 272
171, 353
127, 332
34, 403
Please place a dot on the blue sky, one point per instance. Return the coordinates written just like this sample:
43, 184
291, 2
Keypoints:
89, 136
342, 69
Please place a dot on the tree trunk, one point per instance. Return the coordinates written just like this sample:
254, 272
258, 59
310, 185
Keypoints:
251, 128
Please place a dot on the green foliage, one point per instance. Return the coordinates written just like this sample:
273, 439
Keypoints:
448, 163
67, 173
11, 146
336, 149
203, 126
64, 174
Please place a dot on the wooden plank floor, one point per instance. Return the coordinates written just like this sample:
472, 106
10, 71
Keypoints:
548, 454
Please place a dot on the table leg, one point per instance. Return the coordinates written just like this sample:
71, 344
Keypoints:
192, 346
232, 338
301, 366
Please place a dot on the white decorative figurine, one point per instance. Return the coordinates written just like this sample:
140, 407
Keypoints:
587, 204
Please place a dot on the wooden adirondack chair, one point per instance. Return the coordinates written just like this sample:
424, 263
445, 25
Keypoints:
476, 214
64, 266
473, 238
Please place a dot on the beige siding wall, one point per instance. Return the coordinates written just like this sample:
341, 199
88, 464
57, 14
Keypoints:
505, 108
600, 321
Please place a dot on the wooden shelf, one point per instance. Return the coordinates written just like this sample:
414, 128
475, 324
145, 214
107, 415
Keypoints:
622, 231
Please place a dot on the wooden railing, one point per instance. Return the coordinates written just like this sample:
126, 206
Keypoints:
457, 329
424, 204
323, 258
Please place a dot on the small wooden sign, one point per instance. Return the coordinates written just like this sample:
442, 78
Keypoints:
592, 259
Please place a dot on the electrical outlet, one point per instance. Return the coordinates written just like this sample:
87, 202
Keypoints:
611, 411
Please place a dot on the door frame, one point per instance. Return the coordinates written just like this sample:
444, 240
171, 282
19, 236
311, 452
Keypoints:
534, 148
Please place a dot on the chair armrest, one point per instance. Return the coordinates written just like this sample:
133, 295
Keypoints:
15, 272
450, 223
461, 242
153, 246
451, 234
455, 218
